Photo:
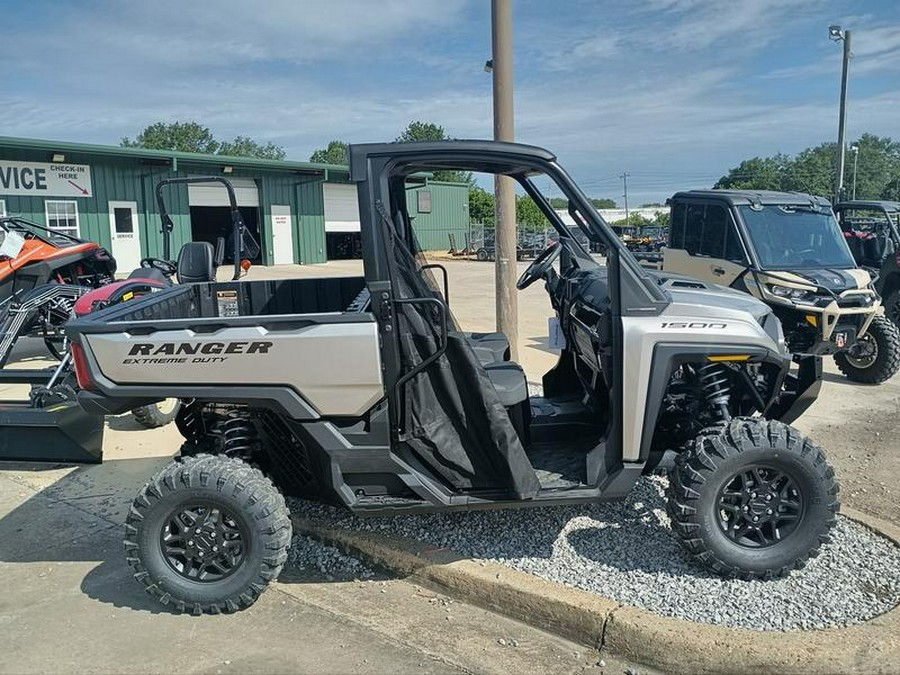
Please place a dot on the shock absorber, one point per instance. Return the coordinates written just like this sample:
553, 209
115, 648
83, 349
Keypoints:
238, 437
715, 384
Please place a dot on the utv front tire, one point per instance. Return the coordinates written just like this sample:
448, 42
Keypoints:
880, 361
207, 534
157, 415
753, 499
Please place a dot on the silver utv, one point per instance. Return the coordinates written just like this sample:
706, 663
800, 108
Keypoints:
363, 391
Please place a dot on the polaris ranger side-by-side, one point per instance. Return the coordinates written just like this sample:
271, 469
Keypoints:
787, 250
363, 391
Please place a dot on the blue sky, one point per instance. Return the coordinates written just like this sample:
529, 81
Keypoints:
672, 91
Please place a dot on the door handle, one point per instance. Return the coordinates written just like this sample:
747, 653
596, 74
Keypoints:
718, 271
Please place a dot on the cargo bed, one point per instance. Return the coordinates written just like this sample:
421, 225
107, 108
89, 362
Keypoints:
306, 346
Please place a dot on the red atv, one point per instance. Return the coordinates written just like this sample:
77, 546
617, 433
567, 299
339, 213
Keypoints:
197, 262
42, 274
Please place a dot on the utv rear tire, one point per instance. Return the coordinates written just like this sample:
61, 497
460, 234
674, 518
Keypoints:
885, 338
717, 528
157, 415
238, 518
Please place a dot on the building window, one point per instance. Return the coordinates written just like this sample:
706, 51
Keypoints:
424, 201
62, 217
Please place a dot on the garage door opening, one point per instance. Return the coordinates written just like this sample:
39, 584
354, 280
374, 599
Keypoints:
208, 223
343, 245
211, 215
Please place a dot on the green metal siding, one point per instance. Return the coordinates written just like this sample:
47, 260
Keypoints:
125, 174
309, 237
449, 215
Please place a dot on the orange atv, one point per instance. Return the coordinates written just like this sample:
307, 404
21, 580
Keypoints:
42, 274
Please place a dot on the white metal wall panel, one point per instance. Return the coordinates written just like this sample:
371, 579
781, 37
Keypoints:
215, 194
341, 208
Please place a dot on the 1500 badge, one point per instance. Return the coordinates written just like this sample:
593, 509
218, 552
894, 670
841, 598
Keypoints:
203, 352
698, 325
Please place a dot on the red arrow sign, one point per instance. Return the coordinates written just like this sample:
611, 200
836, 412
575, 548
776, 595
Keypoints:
78, 187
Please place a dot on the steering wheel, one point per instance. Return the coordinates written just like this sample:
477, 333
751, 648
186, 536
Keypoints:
167, 267
537, 269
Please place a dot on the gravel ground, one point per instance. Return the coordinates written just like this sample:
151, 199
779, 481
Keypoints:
626, 551
311, 558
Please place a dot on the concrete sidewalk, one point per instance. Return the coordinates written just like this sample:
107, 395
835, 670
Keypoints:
69, 603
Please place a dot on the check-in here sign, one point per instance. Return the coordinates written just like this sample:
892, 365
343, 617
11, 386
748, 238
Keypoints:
45, 180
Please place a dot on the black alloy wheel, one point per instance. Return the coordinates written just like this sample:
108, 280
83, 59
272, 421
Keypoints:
760, 506
203, 542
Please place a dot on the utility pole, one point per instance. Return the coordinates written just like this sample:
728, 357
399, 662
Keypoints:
625, 183
855, 150
504, 189
839, 35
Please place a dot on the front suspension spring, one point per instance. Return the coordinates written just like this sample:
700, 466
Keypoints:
716, 388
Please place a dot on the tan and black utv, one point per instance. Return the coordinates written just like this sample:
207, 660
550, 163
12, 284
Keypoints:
787, 250
362, 390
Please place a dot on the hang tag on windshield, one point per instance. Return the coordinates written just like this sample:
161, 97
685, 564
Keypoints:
12, 245
557, 339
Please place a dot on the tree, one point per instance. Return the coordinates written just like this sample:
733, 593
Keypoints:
242, 146
194, 137
528, 215
633, 220
417, 131
481, 206
813, 170
178, 136
335, 153
603, 203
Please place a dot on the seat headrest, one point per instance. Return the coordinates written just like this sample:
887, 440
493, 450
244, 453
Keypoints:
196, 262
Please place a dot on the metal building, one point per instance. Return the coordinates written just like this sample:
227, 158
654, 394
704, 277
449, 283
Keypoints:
302, 212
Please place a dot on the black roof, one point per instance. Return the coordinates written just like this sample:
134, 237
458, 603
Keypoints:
469, 155
739, 197
868, 204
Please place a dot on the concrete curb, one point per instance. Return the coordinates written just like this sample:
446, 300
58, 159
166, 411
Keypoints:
675, 645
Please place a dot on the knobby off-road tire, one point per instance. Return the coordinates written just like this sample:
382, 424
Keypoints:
230, 524
886, 338
736, 459
157, 415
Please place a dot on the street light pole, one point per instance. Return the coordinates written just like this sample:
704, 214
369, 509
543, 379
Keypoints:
625, 183
855, 150
504, 188
839, 35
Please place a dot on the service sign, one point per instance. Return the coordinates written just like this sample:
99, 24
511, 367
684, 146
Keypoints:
45, 180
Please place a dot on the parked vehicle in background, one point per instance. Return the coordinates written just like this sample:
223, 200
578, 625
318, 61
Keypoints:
872, 230
787, 250
42, 274
363, 391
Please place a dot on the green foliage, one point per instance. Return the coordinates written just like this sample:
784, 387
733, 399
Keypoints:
559, 202
335, 153
417, 131
633, 220
813, 170
242, 146
662, 218
604, 203
481, 206
528, 215
194, 137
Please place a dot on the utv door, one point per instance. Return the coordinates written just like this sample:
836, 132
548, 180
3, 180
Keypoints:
705, 243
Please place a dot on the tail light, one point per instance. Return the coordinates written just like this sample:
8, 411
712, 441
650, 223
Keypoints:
245, 265
82, 373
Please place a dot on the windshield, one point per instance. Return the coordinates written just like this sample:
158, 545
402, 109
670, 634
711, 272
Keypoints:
795, 237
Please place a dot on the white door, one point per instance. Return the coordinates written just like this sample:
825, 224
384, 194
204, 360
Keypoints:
125, 235
282, 235
341, 208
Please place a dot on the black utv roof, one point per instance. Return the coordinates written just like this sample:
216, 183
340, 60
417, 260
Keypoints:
892, 207
743, 197
469, 155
